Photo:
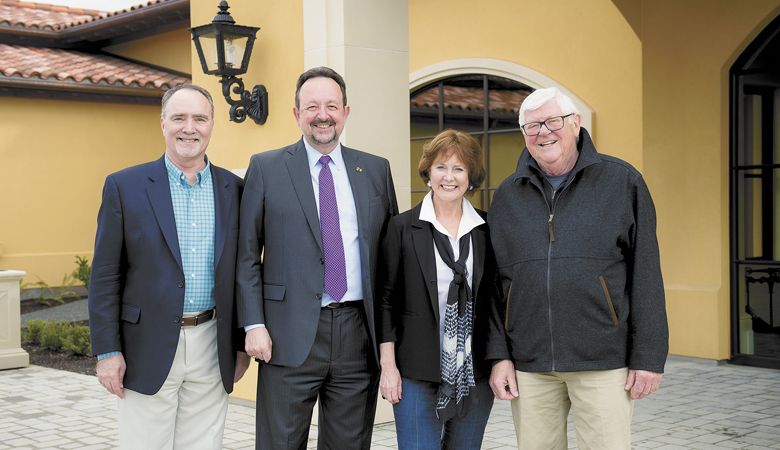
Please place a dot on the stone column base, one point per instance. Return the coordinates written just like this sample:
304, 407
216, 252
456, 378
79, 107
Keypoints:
12, 356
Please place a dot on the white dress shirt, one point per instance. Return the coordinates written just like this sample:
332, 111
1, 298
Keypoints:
444, 275
348, 222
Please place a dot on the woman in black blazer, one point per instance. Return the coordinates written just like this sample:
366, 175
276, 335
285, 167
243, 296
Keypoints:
437, 280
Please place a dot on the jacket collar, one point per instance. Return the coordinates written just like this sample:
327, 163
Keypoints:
527, 166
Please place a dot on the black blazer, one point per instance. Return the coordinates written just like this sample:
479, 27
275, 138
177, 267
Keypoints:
408, 299
136, 291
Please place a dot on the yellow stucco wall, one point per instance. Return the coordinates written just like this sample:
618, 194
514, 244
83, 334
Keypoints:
573, 42
688, 48
170, 50
55, 155
277, 60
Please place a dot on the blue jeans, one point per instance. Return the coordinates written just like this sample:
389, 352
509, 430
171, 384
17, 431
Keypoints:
418, 428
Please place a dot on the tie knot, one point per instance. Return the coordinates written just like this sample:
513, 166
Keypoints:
324, 160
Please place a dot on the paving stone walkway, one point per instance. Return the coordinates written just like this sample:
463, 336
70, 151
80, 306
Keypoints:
702, 405
71, 312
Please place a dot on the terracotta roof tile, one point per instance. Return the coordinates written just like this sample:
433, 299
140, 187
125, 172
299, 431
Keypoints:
467, 98
14, 13
71, 66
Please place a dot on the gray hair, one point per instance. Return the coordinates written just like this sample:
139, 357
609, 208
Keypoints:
541, 96
193, 87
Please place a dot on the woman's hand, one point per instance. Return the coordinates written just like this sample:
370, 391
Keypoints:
390, 379
390, 384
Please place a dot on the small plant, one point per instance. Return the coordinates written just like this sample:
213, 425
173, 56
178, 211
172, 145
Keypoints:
83, 270
52, 295
66, 337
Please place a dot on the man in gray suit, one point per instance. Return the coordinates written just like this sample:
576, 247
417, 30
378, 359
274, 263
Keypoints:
311, 219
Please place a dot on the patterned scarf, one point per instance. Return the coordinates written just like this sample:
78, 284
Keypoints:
457, 365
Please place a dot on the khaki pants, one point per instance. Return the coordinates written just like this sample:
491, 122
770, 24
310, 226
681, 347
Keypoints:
600, 405
189, 411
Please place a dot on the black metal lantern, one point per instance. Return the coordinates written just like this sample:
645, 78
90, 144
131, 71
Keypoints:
224, 49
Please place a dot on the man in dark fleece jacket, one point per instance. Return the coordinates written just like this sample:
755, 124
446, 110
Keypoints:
583, 322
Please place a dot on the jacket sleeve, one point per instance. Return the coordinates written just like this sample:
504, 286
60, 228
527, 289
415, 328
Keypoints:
389, 283
649, 327
106, 277
249, 278
497, 342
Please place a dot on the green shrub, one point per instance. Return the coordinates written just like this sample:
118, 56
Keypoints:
83, 270
66, 337
76, 340
32, 333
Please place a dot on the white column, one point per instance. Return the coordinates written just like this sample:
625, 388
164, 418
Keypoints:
367, 42
12, 355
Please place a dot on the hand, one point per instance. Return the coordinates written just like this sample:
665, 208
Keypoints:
258, 344
110, 373
242, 363
642, 383
390, 384
503, 381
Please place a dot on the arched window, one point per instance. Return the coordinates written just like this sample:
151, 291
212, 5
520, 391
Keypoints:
484, 106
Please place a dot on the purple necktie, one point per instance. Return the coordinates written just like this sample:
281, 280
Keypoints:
332, 243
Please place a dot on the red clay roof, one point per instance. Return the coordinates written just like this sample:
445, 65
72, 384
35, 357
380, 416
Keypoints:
72, 67
15, 13
467, 98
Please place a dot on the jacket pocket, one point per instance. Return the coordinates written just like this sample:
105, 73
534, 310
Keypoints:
273, 292
608, 297
130, 313
506, 308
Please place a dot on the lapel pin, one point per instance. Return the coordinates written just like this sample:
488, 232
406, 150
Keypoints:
358, 169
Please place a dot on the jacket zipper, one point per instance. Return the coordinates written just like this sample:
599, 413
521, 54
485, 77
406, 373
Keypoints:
551, 235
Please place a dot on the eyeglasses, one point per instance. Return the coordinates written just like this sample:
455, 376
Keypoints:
552, 124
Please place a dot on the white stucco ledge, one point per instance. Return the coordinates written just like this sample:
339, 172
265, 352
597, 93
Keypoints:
12, 356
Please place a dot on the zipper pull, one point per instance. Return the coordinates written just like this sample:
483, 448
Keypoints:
550, 228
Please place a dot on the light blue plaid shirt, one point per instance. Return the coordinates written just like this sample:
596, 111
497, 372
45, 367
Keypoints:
193, 208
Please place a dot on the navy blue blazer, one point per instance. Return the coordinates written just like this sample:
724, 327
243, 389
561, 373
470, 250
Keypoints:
136, 289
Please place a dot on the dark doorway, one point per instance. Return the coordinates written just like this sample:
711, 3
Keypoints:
754, 180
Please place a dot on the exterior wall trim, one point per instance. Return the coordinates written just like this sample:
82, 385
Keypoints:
500, 68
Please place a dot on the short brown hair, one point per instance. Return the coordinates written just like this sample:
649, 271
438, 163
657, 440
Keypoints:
193, 87
450, 142
317, 72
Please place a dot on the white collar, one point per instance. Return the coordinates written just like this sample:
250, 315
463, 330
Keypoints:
468, 221
314, 155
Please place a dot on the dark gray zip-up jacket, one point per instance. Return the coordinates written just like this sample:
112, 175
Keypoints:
580, 271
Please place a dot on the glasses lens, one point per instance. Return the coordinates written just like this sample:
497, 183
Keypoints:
532, 129
554, 123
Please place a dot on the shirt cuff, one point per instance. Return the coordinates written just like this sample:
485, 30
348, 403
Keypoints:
103, 356
252, 327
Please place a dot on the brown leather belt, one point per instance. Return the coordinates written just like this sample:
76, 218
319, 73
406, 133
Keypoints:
194, 321
339, 305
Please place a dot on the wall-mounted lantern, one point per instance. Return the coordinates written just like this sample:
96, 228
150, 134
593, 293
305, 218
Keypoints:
224, 49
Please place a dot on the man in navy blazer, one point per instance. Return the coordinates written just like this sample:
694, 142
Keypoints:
161, 304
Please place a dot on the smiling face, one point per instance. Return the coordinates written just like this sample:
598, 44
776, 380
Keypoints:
554, 151
449, 178
322, 114
186, 125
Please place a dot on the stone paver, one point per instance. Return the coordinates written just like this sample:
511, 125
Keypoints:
702, 405
71, 312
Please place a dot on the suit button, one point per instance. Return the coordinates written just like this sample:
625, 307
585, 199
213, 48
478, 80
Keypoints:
318, 296
322, 260
176, 319
181, 284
